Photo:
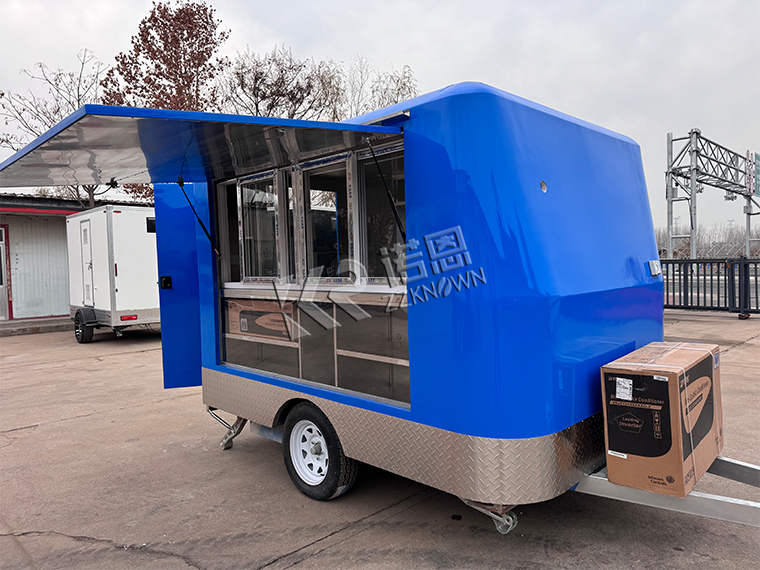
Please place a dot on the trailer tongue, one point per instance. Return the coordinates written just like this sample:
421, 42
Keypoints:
701, 504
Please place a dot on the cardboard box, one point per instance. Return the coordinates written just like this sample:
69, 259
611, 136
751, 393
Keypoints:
258, 318
663, 417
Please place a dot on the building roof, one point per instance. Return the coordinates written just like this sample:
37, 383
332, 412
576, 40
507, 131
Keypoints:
43, 205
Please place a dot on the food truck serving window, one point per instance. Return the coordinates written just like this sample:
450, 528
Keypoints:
310, 247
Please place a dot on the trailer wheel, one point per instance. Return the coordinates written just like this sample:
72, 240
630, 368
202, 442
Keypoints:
314, 456
81, 330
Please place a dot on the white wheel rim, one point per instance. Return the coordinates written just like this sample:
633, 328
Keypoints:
308, 452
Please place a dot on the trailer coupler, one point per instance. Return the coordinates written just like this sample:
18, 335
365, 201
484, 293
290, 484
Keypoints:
232, 430
502, 515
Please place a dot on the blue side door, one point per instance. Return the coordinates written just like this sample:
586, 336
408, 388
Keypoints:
178, 287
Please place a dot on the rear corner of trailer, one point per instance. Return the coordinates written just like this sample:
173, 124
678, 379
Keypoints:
135, 270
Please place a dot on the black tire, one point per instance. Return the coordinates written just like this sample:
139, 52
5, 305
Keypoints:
81, 330
318, 479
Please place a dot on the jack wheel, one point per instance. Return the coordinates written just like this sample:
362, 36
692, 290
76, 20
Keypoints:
508, 524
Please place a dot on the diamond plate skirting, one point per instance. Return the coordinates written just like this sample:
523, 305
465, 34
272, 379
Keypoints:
498, 471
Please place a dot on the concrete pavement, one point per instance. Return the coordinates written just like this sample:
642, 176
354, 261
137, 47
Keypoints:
35, 326
101, 468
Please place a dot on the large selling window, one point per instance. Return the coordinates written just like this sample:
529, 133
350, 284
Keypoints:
313, 240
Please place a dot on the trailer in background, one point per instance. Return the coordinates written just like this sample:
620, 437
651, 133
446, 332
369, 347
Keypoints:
113, 272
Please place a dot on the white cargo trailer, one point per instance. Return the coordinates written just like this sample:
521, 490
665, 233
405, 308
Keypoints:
113, 272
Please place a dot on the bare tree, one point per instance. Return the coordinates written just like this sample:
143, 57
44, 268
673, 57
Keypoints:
393, 87
32, 115
713, 242
366, 88
358, 81
277, 84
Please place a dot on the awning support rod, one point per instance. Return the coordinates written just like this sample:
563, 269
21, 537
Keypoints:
388, 193
181, 183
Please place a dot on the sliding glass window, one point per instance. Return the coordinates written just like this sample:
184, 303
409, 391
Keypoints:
326, 213
258, 217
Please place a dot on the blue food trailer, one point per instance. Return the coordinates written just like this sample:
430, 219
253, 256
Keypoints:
430, 288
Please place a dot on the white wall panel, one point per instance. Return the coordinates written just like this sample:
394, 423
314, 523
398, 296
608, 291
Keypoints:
39, 265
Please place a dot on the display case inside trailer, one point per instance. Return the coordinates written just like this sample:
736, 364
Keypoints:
430, 289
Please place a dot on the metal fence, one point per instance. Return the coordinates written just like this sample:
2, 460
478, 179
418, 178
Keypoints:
712, 284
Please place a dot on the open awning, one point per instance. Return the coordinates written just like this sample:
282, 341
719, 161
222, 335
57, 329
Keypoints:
98, 143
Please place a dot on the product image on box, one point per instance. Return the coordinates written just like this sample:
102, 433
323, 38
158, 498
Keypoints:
259, 318
638, 427
663, 425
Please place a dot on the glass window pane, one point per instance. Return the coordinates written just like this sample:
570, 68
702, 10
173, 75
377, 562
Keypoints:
259, 221
317, 348
382, 230
326, 220
290, 220
383, 334
365, 376
248, 325
267, 357
232, 239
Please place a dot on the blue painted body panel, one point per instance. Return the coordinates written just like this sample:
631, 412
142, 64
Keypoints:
180, 307
557, 282
166, 128
567, 287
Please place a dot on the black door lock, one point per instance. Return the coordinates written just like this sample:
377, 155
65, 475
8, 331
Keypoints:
166, 282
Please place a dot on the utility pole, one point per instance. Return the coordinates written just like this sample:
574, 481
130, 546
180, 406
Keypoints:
669, 191
693, 158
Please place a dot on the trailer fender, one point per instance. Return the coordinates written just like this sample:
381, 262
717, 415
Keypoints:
282, 413
88, 315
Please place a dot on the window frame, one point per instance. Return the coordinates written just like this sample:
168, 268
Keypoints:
261, 176
349, 158
295, 254
361, 158
358, 288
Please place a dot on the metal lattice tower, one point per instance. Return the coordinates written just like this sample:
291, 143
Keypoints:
701, 162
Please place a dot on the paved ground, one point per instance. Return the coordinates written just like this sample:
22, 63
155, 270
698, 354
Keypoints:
35, 326
100, 468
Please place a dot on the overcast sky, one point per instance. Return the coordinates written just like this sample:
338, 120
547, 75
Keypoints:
639, 67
